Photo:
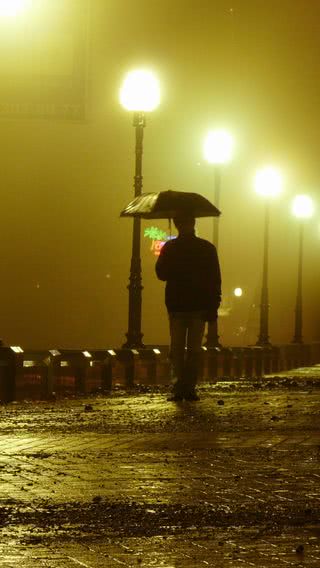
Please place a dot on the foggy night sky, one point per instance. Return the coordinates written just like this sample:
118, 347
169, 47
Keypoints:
246, 65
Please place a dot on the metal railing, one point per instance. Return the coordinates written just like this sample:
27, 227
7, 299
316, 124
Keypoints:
39, 375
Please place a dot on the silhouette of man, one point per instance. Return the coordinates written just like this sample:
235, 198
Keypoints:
190, 267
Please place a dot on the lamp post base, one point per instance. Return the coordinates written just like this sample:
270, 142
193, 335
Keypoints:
133, 342
263, 343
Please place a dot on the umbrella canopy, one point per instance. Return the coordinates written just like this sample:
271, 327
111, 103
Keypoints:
169, 204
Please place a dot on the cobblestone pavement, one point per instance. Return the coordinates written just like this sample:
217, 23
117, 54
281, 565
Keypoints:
129, 479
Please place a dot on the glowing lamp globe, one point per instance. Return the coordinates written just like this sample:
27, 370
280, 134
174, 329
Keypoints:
238, 292
140, 91
268, 182
302, 207
11, 8
218, 147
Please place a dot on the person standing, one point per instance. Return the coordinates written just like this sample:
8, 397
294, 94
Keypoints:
190, 267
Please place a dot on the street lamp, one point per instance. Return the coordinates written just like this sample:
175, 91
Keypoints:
237, 292
302, 208
268, 183
140, 93
11, 8
218, 150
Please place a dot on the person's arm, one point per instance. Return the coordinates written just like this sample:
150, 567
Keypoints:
217, 278
215, 286
163, 263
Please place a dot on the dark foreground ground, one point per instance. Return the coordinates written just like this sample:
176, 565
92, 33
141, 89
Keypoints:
133, 480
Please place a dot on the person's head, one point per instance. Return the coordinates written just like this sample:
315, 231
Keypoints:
185, 224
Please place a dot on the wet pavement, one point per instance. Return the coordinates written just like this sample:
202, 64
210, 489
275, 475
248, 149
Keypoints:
130, 479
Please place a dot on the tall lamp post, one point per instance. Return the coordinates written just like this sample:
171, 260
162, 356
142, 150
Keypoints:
140, 93
12, 8
268, 183
218, 150
302, 208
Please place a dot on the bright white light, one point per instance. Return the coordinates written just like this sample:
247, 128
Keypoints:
86, 354
16, 349
218, 147
302, 206
54, 352
238, 292
140, 91
29, 363
11, 8
268, 182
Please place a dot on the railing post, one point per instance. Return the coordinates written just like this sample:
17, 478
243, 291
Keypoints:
227, 357
258, 351
248, 362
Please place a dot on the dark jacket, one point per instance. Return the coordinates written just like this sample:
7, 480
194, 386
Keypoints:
191, 269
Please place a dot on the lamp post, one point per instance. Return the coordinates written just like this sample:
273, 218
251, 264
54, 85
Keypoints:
139, 93
268, 183
218, 150
11, 8
302, 208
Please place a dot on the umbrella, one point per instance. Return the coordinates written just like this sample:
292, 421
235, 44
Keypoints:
169, 204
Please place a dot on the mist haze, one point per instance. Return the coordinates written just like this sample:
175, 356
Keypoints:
67, 171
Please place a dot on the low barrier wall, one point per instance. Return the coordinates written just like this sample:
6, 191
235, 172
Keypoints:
40, 375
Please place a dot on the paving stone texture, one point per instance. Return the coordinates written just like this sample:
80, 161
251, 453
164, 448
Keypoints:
130, 479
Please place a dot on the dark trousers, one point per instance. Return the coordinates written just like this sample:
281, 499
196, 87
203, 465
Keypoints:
186, 331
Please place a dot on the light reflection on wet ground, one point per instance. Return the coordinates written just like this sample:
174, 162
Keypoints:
134, 480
